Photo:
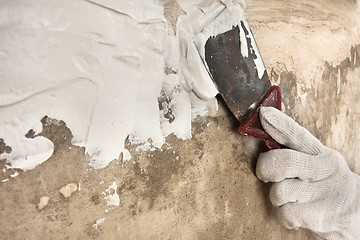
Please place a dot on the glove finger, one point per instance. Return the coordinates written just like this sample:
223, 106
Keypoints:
287, 132
280, 164
300, 215
294, 191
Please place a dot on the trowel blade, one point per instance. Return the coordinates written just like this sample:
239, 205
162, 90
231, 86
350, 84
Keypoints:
237, 69
234, 63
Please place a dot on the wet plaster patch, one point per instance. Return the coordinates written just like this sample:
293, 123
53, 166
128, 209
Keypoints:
104, 55
209, 193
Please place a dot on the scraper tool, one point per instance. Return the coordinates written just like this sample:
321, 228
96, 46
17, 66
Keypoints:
234, 63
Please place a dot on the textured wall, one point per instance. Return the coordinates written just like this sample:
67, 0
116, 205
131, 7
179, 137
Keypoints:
205, 188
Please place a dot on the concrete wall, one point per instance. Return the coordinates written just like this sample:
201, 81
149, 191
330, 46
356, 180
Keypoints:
205, 188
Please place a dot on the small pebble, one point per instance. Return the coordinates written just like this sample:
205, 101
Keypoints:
68, 190
43, 202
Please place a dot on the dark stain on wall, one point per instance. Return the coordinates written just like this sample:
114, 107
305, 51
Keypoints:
324, 101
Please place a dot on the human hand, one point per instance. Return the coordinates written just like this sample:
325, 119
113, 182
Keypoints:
313, 187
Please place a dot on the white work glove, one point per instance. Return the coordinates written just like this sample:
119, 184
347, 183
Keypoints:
313, 185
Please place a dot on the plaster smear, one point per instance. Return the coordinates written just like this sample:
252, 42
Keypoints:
113, 198
231, 15
200, 15
98, 223
103, 76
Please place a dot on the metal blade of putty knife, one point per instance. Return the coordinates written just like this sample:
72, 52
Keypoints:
237, 69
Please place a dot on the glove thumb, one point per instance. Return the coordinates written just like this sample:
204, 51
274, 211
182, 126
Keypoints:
287, 132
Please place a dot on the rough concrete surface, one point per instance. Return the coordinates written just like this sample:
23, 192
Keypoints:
203, 188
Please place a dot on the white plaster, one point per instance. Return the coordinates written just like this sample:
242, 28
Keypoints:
112, 199
102, 83
15, 174
203, 20
98, 223
230, 16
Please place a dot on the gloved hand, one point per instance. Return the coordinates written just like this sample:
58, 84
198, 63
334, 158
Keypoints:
313, 185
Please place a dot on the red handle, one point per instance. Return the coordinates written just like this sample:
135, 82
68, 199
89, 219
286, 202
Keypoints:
252, 126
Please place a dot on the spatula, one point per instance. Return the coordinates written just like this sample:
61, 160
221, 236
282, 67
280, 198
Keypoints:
234, 63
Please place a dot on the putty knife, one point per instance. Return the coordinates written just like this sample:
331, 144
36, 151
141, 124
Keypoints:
240, 76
